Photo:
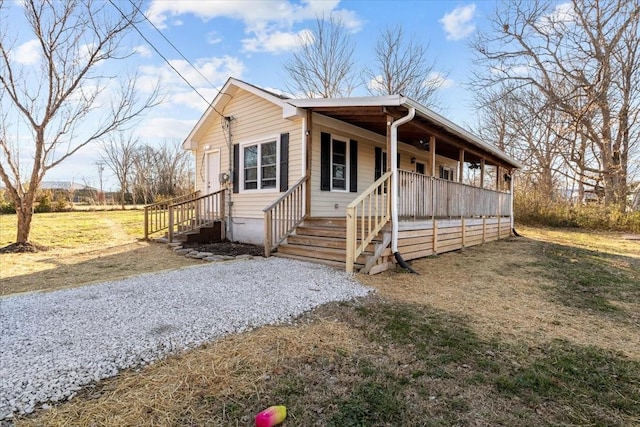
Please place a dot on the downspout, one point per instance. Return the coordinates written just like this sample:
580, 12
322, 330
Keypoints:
227, 120
394, 186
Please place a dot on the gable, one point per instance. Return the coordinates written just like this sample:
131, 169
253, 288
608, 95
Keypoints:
229, 91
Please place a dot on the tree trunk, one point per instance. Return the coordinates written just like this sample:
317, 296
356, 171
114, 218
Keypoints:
24, 210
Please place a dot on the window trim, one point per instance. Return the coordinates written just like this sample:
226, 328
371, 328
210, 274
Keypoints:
347, 166
450, 171
241, 165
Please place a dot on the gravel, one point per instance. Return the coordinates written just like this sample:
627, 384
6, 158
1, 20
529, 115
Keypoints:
52, 344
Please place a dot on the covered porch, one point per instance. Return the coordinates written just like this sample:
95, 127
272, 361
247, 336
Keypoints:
417, 212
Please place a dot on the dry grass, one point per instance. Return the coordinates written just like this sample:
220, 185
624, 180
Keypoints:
84, 247
177, 389
478, 338
505, 292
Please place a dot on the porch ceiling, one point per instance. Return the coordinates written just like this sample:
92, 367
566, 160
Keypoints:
417, 132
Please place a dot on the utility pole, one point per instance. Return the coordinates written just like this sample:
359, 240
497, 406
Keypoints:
100, 166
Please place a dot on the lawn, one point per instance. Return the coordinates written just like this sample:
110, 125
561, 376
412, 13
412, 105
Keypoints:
536, 330
83, 247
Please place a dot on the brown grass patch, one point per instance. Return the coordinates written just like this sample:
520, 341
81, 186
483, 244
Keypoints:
173, 390
64, 268
504, 293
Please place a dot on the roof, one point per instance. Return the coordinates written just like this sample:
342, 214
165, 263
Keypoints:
64, 185
369, 113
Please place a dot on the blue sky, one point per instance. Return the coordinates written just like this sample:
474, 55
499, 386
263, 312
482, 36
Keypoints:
250, 40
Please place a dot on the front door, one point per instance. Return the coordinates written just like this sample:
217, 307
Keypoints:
213, 172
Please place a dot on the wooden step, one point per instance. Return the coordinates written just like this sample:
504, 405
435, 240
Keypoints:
323, 242
339, 222
319, 241
337, 264
330, 254
322, 231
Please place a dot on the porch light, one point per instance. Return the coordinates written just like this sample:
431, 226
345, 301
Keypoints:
413, 160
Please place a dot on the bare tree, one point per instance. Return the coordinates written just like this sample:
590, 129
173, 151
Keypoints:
402, 66
582, 58
118, 154
62, 94
163, 171
173, 168
323, 65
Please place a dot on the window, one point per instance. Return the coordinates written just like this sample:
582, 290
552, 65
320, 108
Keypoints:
260, 165
420, 168
338, 165
446, 173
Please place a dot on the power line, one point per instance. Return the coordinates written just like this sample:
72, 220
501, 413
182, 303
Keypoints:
169, 41
167, 61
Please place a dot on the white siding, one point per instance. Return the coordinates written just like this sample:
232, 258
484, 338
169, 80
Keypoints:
334, 203
253, 119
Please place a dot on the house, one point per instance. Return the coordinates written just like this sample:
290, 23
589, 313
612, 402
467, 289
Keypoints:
315, 179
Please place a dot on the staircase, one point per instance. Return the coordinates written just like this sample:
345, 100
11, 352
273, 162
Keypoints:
206, 233
323, 240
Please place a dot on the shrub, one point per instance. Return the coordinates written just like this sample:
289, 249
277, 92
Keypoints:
44, 201
537, 209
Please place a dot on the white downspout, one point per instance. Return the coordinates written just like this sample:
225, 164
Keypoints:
394, 176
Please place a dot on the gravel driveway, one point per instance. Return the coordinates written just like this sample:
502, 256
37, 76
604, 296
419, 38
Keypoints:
51, 344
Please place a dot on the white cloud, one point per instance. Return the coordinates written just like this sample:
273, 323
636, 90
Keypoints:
438, 80
209, 74
256, 14
458, 23
276, 42
27, 53
375, 85
267, 23
213, 38
143, 50
562, 15
165, 127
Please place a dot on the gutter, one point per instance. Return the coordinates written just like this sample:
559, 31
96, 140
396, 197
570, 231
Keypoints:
394, 186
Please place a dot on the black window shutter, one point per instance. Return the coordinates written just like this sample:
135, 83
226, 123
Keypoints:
353, 166
284, 162
378, 170
325, 162
398, 164
236, 168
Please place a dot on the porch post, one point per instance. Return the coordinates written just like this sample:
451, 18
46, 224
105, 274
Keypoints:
511, 185
432, 152
497, 177
461, 166
432, 149
309, 146
481, 173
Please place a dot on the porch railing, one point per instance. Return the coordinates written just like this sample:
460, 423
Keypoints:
425, 196
156, 215
283, 216
366, 216
192, 214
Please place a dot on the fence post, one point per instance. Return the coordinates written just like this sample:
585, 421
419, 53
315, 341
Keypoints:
146, 223
170, 223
